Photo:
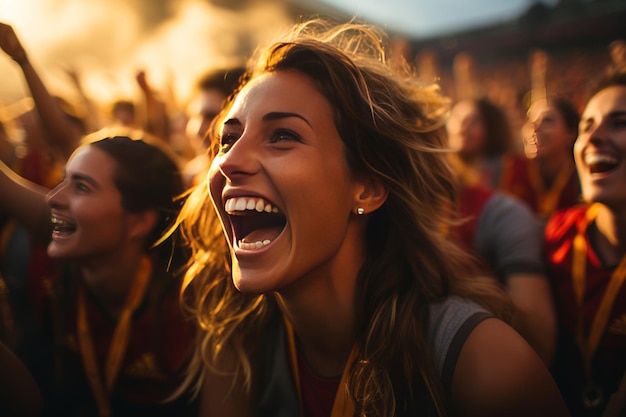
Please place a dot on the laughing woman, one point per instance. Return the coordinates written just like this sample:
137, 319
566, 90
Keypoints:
585, 247
120, 340
342, 295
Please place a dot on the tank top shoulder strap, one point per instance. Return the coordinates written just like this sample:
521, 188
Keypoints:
450, 323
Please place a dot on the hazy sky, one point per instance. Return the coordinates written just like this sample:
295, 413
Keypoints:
175, 41
432, 17
109, 41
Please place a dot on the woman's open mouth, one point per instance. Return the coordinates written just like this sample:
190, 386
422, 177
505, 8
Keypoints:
600, 163
255, 222
62, 228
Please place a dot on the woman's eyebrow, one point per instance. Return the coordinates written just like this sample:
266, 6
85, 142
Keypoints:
617, 113
612, 115
283, 115
83, 177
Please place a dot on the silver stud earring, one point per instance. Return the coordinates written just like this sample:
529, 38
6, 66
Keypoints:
360, 210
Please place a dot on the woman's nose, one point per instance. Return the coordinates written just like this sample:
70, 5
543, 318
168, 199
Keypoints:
240, 159
55, 197
594, 132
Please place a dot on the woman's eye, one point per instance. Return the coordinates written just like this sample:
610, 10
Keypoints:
620, 122
284, 136
82, 187
227, 140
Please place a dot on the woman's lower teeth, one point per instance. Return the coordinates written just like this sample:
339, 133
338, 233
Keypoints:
254, 245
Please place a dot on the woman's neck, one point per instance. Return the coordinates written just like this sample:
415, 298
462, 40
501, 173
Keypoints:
550, 167
110, 282
611, 237
324, 330
320, 305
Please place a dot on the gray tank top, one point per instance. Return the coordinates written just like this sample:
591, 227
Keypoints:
450, 322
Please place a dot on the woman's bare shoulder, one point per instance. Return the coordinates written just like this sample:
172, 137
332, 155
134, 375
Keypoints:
498, 373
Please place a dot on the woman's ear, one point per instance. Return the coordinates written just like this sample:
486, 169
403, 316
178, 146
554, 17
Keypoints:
142, 223
370, 195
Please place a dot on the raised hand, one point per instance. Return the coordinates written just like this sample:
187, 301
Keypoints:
10, 43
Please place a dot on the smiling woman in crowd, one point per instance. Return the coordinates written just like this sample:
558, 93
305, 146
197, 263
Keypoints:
341, 294
118, 341
585, 246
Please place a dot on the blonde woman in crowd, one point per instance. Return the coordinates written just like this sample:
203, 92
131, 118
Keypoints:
334, 290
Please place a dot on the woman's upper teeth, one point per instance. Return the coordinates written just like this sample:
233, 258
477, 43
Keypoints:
59, 222
249, 203
62, 225
599, 158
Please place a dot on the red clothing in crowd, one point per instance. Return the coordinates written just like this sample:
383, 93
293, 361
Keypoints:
608, 362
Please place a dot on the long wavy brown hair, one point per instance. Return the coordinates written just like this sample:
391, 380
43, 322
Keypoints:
392, 129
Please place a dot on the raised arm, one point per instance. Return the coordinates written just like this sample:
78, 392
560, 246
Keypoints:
63, 137
24, 201
156, 119
92, 120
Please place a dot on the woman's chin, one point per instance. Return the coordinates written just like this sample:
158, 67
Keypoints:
56, 252
253, 282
